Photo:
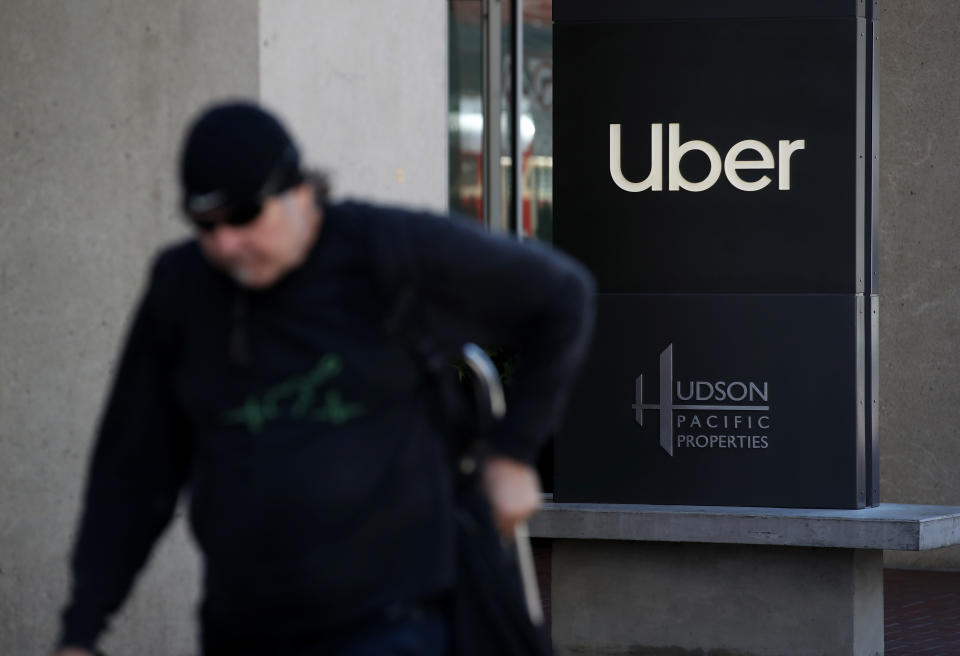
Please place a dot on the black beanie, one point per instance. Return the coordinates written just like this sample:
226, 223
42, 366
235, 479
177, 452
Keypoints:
234, 153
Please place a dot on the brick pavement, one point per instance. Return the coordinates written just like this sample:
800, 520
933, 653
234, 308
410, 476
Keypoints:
921, 609
921, 613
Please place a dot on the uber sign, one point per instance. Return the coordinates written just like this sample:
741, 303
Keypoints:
715, 167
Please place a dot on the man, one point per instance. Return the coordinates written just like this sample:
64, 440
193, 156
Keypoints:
271, 372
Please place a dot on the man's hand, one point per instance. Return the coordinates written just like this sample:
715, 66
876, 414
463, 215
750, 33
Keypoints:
513, 489
72, 651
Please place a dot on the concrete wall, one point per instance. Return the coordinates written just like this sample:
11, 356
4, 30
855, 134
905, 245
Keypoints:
919, 63
364, 86
94, 96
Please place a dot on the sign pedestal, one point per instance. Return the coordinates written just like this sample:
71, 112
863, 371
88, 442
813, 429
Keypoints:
686, 599
688, 580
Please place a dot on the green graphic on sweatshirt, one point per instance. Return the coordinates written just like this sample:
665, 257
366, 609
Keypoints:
296, 397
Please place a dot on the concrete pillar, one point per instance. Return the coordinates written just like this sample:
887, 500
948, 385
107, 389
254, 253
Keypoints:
364, 85
686, 599
95, 97
919, 64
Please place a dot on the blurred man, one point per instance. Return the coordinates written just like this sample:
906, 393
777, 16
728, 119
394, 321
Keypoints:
270, 373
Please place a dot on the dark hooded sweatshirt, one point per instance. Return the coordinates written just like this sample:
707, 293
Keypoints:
300, 423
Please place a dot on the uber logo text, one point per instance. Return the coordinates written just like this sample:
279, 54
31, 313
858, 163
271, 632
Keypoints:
731, 163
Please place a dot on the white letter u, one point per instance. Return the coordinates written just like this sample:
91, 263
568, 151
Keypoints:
654, 181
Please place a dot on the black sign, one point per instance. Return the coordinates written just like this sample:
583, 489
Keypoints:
712, 167
712, 156
749, 400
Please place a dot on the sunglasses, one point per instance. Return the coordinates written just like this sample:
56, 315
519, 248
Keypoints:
225, 213
206, 212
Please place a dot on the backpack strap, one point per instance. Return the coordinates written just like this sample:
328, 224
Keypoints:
405, 320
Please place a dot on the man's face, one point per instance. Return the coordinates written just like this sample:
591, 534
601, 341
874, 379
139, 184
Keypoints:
261, 252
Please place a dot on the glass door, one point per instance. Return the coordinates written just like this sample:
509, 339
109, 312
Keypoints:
491, 126
494, 121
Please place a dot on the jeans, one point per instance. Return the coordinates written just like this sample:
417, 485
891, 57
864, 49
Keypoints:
423, 634
404, 630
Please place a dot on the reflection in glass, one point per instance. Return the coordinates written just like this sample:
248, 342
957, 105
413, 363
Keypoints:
466, 114
538, 94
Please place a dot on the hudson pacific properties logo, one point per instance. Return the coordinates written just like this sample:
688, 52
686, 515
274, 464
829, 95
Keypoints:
727, 415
